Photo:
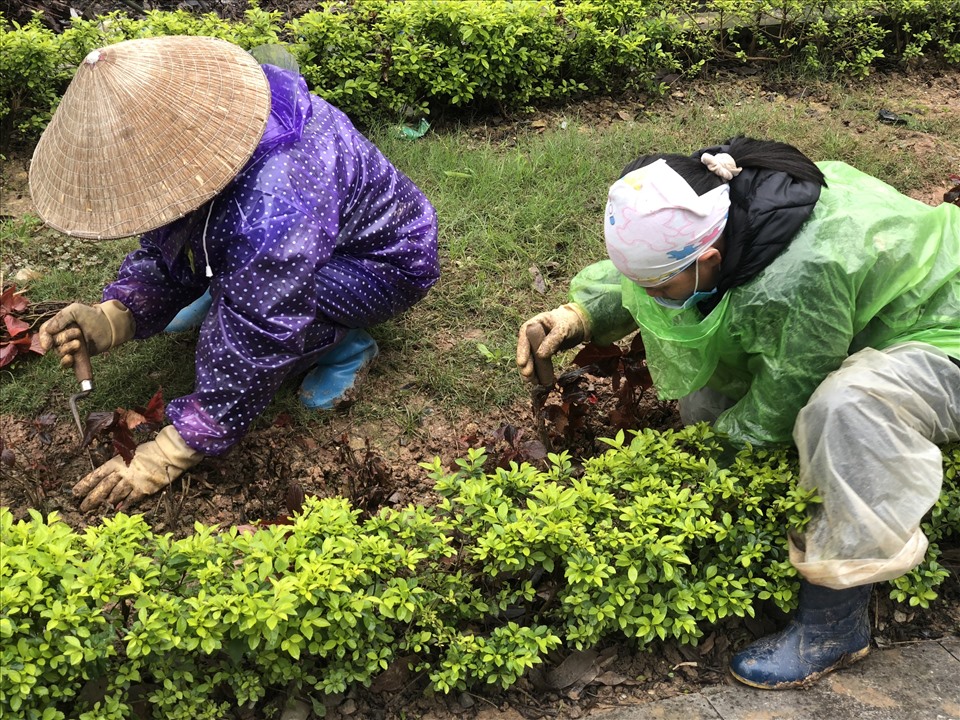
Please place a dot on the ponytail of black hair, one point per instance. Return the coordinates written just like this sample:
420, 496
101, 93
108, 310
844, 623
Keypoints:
747, 152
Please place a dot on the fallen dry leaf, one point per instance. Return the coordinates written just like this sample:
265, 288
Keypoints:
611, 678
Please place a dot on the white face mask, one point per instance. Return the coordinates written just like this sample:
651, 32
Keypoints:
694, 299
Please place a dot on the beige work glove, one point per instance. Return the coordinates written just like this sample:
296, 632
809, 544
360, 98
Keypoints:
155, 465
564, 327
104, 326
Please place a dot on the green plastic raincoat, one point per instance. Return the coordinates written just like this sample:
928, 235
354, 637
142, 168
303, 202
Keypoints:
870, 268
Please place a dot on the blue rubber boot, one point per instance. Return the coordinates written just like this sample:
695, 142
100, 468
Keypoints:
191, 317
830, 630
337, 370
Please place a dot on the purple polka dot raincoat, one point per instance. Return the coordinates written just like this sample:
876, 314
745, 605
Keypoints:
318, 234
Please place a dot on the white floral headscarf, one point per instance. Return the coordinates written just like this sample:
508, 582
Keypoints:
656, 225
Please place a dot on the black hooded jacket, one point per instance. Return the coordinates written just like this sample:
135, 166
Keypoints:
767, 208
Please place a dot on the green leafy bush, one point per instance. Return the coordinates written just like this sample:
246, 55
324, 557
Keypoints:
36, 64
341, 59
626, 45
654, 540
32, 78
657, 539
460, 54
85, 35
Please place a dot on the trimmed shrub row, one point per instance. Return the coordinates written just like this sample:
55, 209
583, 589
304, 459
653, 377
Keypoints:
658, 539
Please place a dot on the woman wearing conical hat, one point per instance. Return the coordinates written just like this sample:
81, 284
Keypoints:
254, 199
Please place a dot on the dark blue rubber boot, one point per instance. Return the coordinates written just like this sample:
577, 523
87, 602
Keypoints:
336, 371
192, 316
831, 629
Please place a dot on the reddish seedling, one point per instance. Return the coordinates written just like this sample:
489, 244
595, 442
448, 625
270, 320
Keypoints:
953, 195
629, 375
365, 479
507, 445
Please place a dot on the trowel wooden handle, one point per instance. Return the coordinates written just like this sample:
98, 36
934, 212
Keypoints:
542, 369
81, 365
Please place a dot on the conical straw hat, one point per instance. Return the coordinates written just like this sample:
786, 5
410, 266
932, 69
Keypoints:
147, 131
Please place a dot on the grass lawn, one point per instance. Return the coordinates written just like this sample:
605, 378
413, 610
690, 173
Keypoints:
515, 200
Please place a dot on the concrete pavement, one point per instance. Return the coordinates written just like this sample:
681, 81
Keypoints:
916, 681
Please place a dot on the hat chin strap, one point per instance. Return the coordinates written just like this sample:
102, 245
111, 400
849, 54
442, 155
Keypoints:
206, 256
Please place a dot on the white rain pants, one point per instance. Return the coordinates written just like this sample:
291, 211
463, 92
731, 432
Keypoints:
868, 442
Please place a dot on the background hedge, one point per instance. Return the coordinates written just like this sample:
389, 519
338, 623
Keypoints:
402, 59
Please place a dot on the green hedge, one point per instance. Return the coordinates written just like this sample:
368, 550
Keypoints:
658, 539
410, 58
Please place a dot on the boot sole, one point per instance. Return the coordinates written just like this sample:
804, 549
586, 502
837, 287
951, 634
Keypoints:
844, 661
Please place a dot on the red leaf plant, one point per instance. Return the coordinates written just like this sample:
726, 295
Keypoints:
18, 339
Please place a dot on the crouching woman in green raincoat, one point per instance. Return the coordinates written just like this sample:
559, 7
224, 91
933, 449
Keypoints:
780, 298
